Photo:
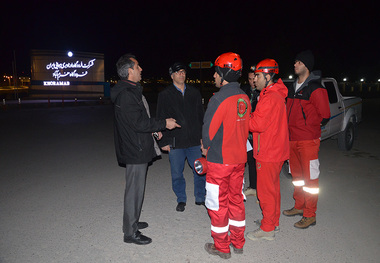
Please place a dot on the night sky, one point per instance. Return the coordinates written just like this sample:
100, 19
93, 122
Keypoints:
343, 35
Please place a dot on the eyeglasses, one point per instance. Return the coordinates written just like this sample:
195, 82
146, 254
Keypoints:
182, 71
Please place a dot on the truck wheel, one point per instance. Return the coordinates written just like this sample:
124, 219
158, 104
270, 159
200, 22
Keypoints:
346, 138
285, 170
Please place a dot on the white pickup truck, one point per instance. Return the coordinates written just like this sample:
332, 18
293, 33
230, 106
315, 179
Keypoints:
346, 113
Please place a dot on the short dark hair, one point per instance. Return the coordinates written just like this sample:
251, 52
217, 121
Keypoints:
123, 64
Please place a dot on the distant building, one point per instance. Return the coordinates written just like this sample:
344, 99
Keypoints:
67, 74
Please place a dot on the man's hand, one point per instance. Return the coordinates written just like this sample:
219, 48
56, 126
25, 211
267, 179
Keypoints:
157, 135
204, 151
166, 148
324, 122
171, 124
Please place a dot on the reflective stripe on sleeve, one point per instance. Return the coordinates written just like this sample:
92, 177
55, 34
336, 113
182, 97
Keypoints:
299, 183
311, 190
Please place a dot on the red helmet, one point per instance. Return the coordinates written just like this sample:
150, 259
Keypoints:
229, 60
228, 66
267, 66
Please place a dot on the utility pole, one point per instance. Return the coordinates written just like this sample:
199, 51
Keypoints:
15, 75
200, 65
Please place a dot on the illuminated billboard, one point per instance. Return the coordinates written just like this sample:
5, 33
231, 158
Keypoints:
70, 74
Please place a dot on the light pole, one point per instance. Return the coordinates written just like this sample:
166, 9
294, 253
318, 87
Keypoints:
9, 79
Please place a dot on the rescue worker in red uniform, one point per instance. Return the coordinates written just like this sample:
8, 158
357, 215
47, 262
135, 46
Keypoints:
269, 128
308, 109
224, 136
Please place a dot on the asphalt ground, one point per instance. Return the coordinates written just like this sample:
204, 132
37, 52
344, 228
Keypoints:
61, 198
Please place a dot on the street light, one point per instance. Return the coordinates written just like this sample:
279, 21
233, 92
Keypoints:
9, 78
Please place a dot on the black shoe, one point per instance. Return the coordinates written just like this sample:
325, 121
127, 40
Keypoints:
142, 225
180, 207
200, 203
138, 239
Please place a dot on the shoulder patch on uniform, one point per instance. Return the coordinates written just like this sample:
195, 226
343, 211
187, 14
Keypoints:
242, 107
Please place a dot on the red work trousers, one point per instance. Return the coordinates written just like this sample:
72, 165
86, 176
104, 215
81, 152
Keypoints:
304, 167
269, 193
225, 204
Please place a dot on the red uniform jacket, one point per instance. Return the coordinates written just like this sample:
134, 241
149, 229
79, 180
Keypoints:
225, 125
306, 109
269, 125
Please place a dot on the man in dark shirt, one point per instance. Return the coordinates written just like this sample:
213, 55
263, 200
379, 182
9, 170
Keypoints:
253, 95
184, 103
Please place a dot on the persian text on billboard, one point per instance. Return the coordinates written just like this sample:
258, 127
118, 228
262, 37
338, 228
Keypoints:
60, 67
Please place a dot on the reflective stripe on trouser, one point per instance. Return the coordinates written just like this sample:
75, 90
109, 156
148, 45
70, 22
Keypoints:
269, 193
225, 204
304, 166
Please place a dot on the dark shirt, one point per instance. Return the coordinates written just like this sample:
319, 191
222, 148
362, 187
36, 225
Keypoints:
188, 111
252, 95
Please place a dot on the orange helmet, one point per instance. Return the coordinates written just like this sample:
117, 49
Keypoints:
229, 60
229, 66
267, 66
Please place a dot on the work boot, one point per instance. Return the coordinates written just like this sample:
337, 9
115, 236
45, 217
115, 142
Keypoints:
237, 250
292, 212
276, 228
260, 234
305, 222
210, 248
250, 191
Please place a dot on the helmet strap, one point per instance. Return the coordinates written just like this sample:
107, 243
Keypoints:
229, 70
271, 78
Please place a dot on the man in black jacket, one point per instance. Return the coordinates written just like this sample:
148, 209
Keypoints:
134, 142
184, 103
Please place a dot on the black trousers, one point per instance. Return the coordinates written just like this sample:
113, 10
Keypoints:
252, 170
135, 179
